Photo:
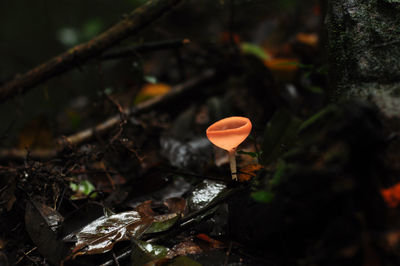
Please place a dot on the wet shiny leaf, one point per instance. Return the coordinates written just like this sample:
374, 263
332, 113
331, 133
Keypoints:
101, 235
204, 193
143, 252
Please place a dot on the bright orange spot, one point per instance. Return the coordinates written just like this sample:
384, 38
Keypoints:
152, 90
247, 172
310, 39
392, 195
229, 132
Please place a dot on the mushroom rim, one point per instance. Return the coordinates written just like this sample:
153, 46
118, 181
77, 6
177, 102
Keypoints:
247, 123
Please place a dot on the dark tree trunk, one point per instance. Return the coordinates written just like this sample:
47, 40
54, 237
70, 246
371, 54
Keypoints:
363, 42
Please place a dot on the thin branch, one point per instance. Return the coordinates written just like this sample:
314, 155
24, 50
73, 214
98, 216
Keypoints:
134, 22
143, 48
20, 154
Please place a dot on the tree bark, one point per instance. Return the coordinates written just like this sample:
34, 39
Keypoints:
363, 43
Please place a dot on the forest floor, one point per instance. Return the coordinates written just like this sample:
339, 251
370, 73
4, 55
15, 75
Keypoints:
132, 179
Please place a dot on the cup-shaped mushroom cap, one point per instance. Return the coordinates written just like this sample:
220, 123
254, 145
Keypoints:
229, 132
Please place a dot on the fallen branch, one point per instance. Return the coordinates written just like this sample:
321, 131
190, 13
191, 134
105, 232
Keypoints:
134, 22
177, 92
143, 48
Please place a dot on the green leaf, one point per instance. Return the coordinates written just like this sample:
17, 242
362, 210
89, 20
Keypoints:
263, 196
84, 187
163, 223
280, 134
248, 48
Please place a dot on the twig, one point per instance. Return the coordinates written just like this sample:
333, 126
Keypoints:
143, 48
124, 255
115, 259
134, 22
26, 255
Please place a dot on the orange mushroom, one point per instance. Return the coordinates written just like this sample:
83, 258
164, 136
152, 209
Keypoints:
227, 134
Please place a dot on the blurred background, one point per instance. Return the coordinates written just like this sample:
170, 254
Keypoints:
34, 31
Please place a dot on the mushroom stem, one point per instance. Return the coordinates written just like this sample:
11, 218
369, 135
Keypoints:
232, 162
